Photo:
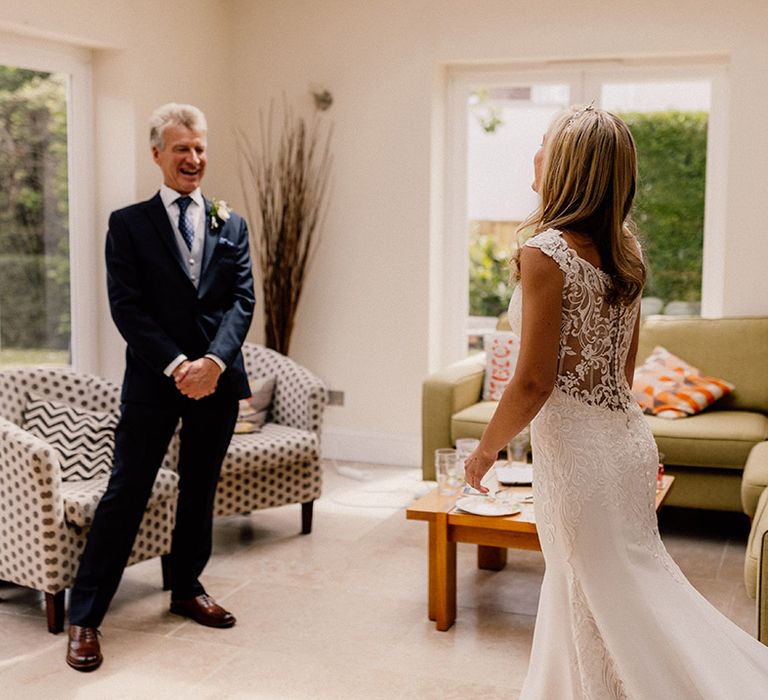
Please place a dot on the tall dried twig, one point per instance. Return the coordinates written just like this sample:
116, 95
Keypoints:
285, 183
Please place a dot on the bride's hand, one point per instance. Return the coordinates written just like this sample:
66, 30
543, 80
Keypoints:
476, 466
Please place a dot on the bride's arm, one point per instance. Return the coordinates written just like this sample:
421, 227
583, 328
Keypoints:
536, 367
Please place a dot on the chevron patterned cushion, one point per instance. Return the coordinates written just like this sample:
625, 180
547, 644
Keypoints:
84, 440
668, 387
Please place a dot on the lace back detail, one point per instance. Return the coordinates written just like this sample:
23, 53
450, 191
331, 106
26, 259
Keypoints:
594, 335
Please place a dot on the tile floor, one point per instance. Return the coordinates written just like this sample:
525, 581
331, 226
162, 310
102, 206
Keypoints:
338, 614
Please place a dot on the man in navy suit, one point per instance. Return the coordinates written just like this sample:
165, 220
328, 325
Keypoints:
181, 294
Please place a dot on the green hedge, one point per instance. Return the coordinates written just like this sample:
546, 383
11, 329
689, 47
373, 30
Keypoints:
668, 214
34, 302
669, 207
489, 287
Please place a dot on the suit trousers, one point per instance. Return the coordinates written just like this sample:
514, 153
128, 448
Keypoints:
142, 436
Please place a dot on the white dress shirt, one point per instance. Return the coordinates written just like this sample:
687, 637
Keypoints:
193, 257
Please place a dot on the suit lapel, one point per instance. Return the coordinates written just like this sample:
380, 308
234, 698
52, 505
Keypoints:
211, 236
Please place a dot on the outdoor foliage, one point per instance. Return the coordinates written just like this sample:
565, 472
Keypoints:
669, 206
668, 215
489, 287
34, 242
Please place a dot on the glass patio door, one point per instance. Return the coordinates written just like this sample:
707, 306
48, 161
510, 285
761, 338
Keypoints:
505, 126
494, 121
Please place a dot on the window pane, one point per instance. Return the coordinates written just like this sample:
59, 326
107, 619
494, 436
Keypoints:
506, 125
669, 123
34, 237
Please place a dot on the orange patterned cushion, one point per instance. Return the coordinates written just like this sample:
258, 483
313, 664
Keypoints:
668, 387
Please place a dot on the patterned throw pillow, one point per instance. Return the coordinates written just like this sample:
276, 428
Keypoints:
668, 387
253, 410
84, 440
501, 350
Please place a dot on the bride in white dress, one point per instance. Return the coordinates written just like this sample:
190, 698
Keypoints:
616, 618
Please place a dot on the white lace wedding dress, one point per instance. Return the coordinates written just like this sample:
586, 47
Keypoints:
616, 619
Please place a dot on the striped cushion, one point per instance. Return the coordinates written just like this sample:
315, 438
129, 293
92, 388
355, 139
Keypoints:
84, 440
668, 387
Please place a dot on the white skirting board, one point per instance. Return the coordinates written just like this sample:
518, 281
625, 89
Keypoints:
375, 448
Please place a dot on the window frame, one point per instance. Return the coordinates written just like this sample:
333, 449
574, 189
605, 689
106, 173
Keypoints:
76, 63
449, 281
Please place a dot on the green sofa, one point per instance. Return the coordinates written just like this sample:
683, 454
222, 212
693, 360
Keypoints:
706, 453
754, 497
719, 457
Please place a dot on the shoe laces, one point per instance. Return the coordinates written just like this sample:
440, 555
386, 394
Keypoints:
89, 634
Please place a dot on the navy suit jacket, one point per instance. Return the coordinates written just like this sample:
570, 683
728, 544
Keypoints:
161, 314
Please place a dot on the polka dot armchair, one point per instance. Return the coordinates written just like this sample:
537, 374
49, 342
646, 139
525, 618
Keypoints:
44, 519
281, 463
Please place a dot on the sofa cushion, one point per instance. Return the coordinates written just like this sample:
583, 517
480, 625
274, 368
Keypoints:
253, 411
84, 440
276, 466
718, 439
274, 446
733, 348
666, 386
82, 497
501, 350
471, 421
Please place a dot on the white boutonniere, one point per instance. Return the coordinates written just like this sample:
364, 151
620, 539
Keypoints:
220, 211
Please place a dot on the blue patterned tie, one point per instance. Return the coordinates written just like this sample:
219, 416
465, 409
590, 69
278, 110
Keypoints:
184, 228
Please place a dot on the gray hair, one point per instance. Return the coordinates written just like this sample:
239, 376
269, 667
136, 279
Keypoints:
174, 114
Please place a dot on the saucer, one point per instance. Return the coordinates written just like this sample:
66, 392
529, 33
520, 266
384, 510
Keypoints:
514, 473
482, 505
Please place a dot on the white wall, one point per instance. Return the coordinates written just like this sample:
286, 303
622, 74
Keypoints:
144, 53
363, 324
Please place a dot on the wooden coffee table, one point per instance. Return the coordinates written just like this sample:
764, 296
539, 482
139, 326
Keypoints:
492, 535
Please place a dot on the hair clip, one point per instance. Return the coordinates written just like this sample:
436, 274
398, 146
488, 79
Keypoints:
589, 108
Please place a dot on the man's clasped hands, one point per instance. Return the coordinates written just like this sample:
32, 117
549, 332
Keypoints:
197, 378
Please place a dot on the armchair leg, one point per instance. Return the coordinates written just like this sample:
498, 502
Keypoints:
54, 610
165, 563
306, 517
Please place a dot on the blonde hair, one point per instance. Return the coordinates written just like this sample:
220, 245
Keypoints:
173, 114
588, 182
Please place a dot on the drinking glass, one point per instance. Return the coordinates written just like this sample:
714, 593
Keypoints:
517, 448
464, 448
446, 470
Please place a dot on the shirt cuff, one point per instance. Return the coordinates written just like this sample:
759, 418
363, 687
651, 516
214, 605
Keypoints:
169, 370
217, 360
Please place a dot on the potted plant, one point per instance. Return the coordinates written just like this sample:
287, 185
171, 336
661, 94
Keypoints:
285, 181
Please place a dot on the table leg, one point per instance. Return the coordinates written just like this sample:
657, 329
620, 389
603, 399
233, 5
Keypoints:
432, 575
443, 583
491, 558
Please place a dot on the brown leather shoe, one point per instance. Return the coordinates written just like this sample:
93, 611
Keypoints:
83, 650
204, 610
